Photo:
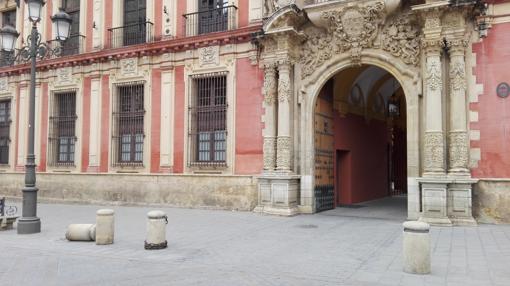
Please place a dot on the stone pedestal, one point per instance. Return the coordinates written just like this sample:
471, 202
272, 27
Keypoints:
447, 201
416, 247
104, 226
278, 194
156, 230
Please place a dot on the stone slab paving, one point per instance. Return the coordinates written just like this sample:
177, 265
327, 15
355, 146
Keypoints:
241, 248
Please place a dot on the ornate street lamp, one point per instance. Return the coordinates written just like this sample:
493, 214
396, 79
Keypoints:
29, 222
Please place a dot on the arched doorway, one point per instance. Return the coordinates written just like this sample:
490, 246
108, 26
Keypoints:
360, 138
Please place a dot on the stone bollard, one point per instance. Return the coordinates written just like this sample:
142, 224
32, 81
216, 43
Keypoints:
416, 247
81, 232
104, 226
156, 230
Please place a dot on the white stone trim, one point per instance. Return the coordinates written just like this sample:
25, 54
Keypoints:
167, 118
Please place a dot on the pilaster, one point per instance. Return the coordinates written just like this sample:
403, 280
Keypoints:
458, 144
284, 142
270, 95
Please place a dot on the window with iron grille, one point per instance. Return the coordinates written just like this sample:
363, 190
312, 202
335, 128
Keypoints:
208, 120
128, 120
5, 125
62, 133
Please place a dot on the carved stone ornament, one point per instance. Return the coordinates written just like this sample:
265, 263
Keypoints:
129, 66
270, 85
209, 55
458, 76
4, 84
354, 28
269, 153
434, 81
401, 38
64, 75
458, 150
434, 151
284, 151
284, 91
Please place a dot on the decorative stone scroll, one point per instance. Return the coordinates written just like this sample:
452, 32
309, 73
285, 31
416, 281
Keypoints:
283, 156
434, 151
433, 76
458, 76
209, 55
401, 38
129, 66
270, 89
354, 28
269, 153
458, 150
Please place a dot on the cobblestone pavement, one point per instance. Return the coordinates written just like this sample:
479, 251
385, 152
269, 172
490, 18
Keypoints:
241, 248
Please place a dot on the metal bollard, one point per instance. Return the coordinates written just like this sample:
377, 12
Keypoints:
104, 226
416, 247
81, 232
156, 230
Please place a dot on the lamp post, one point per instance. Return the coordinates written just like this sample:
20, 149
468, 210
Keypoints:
29, 222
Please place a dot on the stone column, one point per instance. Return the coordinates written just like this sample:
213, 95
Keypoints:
434, 136
284, 144
270, 94
458, 135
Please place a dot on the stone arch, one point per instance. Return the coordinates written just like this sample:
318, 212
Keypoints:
410, 82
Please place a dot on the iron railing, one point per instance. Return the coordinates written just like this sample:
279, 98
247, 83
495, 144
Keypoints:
208, 121
62, 133
5, 125
6, 58
210, 21
128, 125
74, 45
132, 34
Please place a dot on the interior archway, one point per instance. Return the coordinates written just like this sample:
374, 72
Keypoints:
360, 138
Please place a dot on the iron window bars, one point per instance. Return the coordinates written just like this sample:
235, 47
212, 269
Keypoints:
208, 120
62, 133
128, 125
5, 124
208, 21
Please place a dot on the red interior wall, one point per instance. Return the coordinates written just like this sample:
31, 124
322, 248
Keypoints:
493, 56
366, 164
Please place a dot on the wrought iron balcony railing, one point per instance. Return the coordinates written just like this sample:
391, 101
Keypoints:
73, 46
215, 20
132, 34
6, 58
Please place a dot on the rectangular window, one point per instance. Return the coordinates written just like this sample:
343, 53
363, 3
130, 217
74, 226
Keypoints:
62, 132
213, 16
208, 126
128, 122
72, 45
5, 124
135, 28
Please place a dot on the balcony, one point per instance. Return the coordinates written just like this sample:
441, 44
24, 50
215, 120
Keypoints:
73, 46
210, 21
132, 34
6, 58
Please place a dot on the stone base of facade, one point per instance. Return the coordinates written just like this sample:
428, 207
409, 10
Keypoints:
491, 201
278, 194
447, 201
189, 191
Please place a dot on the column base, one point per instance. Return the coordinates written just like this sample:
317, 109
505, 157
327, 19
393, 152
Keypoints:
464, 221
29, 225
278, 194
444, 221
292, 211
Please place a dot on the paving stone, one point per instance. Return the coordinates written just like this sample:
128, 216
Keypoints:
240, 248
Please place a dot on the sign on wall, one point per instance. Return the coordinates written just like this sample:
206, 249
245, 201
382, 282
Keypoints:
503, 90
